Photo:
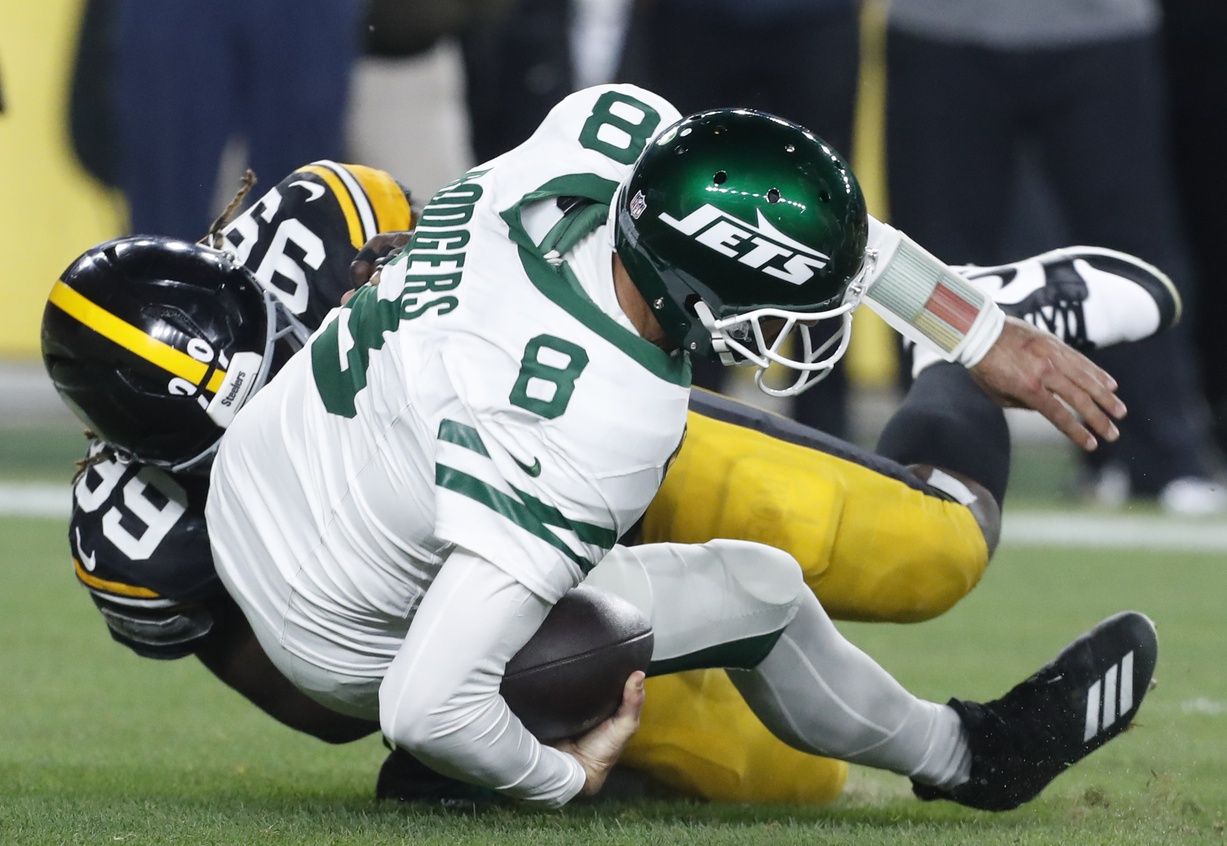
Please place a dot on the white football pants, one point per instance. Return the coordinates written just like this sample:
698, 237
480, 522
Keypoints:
814, 690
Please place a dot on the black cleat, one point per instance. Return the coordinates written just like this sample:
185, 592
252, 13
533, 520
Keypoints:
1071, 707
1089, 297
403, 778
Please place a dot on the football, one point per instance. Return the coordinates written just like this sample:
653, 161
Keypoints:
569, 676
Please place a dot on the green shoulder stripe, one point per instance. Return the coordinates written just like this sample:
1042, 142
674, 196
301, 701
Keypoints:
549, 280
574, 227
462, 435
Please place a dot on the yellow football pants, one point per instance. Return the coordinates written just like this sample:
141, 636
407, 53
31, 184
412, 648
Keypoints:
871, 547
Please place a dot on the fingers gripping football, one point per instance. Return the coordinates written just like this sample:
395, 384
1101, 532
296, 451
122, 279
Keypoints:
599, 749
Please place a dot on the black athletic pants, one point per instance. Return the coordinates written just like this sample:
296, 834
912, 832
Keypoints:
960, 118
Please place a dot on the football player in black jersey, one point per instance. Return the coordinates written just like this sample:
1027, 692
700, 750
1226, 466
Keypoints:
157, 367
210, 326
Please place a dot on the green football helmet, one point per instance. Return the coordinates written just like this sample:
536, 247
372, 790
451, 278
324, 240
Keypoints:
733, 218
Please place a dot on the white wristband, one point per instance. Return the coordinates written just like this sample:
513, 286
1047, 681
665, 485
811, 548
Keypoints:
984, 333
927, 302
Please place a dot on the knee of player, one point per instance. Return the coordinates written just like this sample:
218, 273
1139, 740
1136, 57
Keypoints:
768, 575
971, 494
987, 512
409, 719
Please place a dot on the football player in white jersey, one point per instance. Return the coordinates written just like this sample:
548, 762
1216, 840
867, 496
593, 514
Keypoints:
910, 541
465, 440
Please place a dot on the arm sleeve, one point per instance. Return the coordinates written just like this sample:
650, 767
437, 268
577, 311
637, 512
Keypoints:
440, 698
926, 301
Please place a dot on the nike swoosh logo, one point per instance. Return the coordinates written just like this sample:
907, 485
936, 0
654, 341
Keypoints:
314, 190
533, 470
89, 561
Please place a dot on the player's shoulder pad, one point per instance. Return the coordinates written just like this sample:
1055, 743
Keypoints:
617, 100
299, 238
598, 131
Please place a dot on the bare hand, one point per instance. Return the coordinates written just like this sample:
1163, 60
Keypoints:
380, 247
599, 749
1030, 368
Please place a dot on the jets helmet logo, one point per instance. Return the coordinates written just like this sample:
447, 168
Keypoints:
760, 246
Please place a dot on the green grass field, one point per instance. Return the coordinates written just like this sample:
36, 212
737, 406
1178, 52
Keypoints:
98, 746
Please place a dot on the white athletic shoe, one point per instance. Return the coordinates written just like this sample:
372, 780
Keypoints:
1106, 487
1089, 297
1192, 496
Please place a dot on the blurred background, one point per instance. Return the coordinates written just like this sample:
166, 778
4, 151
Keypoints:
989, 130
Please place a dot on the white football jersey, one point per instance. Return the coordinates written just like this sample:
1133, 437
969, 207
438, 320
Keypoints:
487, 394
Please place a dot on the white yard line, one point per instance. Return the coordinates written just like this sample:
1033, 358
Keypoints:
1022, 528
28, 499
1204, 705
1113, 531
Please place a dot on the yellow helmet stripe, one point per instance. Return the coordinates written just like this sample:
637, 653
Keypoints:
118, 588
343, 199
366, 215
387, 198
119, 331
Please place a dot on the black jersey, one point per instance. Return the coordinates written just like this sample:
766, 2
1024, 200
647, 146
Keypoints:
140, 546
137, 533
299, 238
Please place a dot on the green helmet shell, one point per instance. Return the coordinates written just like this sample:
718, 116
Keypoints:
743, 210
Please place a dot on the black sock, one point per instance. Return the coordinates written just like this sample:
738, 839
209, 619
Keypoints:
948, 422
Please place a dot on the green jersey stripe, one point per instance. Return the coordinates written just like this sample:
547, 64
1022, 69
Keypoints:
462, 435
551, 516
466, 436
507, 506
574, 227
744, 654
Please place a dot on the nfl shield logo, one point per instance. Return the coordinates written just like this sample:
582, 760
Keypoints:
637, 205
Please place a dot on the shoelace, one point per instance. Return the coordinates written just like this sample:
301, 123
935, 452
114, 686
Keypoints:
1063, 317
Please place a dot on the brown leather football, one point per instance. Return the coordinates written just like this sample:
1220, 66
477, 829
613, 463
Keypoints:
569, 676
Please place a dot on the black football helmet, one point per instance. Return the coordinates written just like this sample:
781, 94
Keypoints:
156, 343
